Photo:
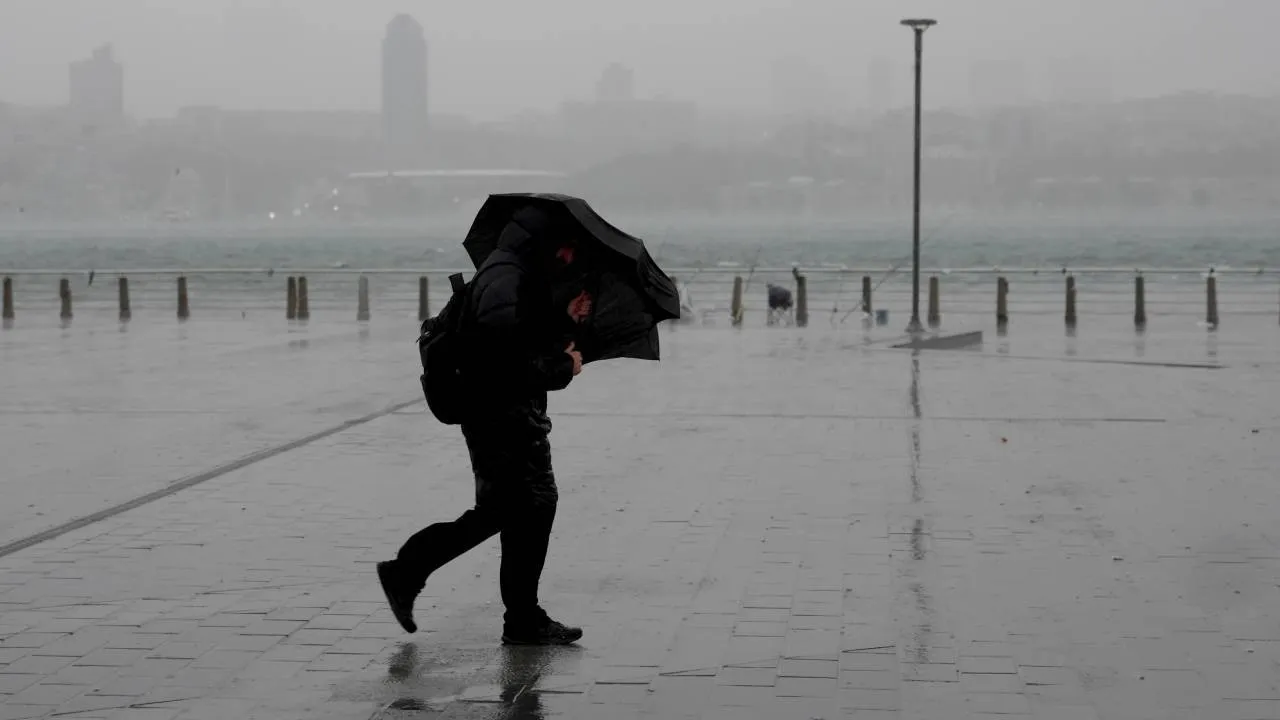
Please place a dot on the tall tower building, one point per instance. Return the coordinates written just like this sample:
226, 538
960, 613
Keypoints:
404, 82
97, 88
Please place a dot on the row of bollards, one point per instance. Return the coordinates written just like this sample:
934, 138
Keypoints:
736, 307
296, 306
66, 311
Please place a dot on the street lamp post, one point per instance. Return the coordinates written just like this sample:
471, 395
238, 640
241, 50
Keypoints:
914, 327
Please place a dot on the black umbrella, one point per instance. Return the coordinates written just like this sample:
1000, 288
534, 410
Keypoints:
630, 293
619, 326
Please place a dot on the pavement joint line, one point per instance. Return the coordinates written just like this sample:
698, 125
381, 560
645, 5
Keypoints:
854, 416
1107, 361
193, 480
876, 347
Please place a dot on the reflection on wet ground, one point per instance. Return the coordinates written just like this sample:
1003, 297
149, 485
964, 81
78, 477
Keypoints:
510, 686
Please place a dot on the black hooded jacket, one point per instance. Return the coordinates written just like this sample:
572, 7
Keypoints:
515, 334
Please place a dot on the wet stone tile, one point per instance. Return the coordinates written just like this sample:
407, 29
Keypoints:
110, 658
44, 694
860, 699
38, 665
988, 665
760, 629
1036, 675
611, 695
998, 683
806, 687
929, 672
809, 668
757, 677
998, 704
868, 661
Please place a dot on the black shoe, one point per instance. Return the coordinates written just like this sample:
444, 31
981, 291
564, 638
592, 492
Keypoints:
399, 596
550, 633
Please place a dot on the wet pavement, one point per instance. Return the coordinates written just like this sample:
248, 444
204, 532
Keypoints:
768, 524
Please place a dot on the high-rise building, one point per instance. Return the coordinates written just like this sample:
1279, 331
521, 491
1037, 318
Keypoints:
97, 89
404, 82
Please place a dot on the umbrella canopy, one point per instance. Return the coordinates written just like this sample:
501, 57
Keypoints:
630, 293
620, 325
578, 218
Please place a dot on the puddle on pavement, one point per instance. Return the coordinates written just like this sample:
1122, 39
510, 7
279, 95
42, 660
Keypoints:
422, 679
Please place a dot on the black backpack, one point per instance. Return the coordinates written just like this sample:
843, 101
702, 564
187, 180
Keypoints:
440, 345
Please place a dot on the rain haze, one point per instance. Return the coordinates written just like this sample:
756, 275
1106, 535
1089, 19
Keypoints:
291, 113
492, 58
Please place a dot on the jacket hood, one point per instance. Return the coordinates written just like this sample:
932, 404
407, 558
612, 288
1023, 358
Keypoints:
528, 230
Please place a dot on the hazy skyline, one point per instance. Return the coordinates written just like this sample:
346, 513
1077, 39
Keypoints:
494, 58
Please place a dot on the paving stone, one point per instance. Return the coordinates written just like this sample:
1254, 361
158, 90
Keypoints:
987, 665
13, 711
43, 694
809, 668
807, 687
104, 657
39, 664
757, 677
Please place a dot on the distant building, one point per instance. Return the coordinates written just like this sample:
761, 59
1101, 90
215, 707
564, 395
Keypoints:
404, 82
617, 122
616, 84
97, 89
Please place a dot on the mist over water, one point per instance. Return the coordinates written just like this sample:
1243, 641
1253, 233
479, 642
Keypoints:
954, 240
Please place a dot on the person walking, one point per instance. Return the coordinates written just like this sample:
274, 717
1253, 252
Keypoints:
517, 331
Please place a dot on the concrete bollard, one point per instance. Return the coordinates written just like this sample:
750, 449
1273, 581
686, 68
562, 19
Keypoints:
735, 303
424, 307
126, 311
866, 294
304, 312
1002, 302
6, 307
362, 299
184, 306
291, 298
802, 300
1071, 301
935, 303
1139, 302
1211, 300
64, 294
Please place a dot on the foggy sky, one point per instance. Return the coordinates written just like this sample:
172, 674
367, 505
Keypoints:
492, 58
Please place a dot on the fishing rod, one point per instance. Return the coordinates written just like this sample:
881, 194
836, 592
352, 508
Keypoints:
835, 304
932, 232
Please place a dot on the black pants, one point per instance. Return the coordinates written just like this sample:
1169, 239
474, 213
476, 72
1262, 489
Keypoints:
515, 496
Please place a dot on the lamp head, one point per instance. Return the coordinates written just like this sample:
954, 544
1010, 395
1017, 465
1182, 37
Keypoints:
919, 24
